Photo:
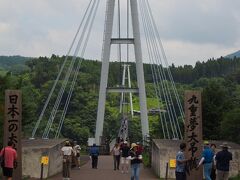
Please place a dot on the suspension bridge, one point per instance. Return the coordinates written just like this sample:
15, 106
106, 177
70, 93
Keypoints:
173, 111
136, 28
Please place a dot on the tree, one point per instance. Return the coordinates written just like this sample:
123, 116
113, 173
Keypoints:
230, 126
214, 98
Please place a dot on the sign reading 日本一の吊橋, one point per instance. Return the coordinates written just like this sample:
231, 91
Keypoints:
13, 126
193, 133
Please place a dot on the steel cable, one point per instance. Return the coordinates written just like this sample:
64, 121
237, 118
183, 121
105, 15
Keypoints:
59, 74
156, 34
76, 74
149, 47
166, 62
161, 73
60, 94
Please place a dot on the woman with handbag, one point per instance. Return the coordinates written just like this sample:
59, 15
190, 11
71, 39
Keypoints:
136, 159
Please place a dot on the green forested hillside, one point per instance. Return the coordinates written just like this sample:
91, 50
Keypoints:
220, 87
14, 64
221, 67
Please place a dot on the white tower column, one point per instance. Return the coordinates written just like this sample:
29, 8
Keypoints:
139, 68
105, 68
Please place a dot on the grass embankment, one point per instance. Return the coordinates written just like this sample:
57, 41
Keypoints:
235, 178
2, 72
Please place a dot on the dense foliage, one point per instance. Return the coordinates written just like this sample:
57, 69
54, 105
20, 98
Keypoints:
14, 64
219, 80
212, 68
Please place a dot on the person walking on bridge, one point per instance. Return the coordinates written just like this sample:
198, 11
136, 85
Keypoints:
124, 157
67, 152
76, 150
181, 163
213, 173
9, 156
207, 160
223, 158
94, 153
116, 156
136, 159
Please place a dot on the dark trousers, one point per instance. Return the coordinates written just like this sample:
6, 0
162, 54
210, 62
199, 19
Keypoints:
66, 166
180, 175
94, 161
116, 160
213, 174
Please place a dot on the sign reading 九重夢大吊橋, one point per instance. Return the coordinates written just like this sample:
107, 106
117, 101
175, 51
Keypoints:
193, 133
13, 126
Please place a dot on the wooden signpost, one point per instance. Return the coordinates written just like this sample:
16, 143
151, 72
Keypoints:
13, 126
193, 133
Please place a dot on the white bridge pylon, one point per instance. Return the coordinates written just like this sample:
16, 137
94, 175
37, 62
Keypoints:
107, 42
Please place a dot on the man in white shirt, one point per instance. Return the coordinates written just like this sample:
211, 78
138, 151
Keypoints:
67, 152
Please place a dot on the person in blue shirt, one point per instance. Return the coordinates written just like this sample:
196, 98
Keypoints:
94, 153
181, 163
207, 160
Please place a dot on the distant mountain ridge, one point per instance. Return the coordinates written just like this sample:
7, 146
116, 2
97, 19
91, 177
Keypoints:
7, 61
235, 54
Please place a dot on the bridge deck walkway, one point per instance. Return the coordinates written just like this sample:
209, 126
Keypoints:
105, 172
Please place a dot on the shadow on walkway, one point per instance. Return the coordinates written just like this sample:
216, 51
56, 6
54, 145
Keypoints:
105, 172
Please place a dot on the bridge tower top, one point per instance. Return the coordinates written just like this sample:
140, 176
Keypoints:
107, 42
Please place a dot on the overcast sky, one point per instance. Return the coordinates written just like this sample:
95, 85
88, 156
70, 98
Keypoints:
191, 30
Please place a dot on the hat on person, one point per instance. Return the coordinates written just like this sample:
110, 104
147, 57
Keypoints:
133, 145
205, 143
225, 145
67, 143
125, 142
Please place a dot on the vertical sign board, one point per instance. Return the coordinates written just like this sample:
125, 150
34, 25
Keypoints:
193, 133
12, 126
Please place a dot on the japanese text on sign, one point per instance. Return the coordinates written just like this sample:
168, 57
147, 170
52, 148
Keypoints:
193, 132
12, 125
13, 119
192, 137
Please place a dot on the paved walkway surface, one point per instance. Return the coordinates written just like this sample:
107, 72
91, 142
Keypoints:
105, 172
